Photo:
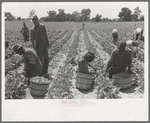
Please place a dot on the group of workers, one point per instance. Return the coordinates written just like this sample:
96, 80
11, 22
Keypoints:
121, 57
36, 60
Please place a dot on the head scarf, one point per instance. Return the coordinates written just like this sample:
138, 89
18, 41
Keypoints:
89, 57
114, 30
121, 45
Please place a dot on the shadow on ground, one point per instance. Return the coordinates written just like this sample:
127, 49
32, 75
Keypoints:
132, 89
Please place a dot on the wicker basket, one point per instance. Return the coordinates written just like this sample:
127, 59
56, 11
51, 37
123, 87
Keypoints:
38, 86
38, 92
38, 89
84, 81
122, 80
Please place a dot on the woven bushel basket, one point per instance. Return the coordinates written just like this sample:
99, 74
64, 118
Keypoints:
38, 92
84, 81
39, 86
122, 80
38, 89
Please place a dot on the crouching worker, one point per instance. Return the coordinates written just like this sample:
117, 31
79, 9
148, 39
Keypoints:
120, 60
32, 63
84, 62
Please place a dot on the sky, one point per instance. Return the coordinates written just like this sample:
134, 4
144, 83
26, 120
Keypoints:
106, 9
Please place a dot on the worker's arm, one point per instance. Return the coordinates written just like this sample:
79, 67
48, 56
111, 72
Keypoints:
110, 62
92, 67
33, 39
129, 64
48, 44
30, 70
31, 66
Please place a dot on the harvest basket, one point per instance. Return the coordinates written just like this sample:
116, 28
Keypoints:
122, 80
84, 81
38, 92
39, 86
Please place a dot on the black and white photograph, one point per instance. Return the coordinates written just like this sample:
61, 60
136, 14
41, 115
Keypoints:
73, 54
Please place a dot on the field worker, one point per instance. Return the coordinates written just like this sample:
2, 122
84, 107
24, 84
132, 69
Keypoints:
120, 60
83, 25
137, 34
40, 42
84, 62
143, 36
25, 32
32, 64
115, 36
132, 45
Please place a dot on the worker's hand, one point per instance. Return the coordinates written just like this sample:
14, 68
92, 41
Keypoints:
26, 80
105, 74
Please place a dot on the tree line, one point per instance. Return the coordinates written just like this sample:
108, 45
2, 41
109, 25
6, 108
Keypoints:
124, 15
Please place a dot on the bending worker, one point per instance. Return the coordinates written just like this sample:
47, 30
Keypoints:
40, 43
25, 32
120, 60
138, 34
115, 36
32, 63
84, 62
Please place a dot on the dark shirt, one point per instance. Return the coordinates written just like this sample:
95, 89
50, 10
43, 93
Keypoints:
120, 58
83, 65
31, 57
40, 36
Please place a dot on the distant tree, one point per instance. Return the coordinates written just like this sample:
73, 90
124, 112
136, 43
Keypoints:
142, 18
61, 15
52, 15
134, 17
125, 14
75, 15
85, 13
98, 17
137, 11
9, 16
18, 18
32, 13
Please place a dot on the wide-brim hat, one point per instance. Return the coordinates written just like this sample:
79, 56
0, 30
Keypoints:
35, 19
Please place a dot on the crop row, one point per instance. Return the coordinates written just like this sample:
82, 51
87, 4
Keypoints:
107, 46
62, 83
12, 63
57, 45
58, 36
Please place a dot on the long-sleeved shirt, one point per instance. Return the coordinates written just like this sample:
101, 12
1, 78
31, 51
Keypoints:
39, 35
118, 58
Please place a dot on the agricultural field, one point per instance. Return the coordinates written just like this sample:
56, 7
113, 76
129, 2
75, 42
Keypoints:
69, 42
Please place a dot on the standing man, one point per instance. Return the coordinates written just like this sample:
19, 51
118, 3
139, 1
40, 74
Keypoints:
115, 36
25, 32
83, 25
40, 43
